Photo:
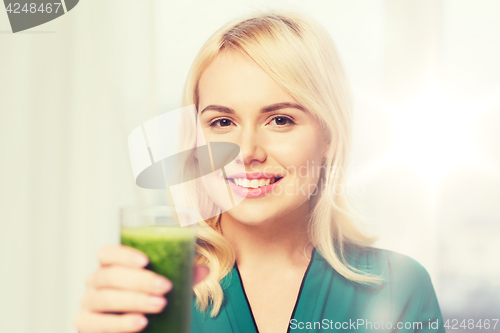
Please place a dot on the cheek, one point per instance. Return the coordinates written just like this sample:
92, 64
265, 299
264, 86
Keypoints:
301, 157
207, 135
297, 145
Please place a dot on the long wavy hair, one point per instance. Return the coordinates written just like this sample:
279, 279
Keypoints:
299, 54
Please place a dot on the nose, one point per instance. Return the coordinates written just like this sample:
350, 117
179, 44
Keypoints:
252, 147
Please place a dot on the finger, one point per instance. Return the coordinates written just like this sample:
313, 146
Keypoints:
122, 255
200, 273
89, 322
115, 300
134, 279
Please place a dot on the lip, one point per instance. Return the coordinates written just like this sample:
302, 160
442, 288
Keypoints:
253, 192
254, 175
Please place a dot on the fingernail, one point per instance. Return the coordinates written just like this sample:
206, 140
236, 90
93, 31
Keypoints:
141, 260
157, 301
163, 284
140, 322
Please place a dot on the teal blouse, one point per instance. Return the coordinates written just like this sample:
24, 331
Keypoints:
405, 301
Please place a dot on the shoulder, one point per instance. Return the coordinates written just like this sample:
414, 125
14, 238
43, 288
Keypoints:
405, 284
405, 294
388, 263
397, 270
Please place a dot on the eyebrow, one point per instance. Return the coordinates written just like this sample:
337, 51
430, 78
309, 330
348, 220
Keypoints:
269, 108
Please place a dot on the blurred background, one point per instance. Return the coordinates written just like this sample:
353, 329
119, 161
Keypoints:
425, 168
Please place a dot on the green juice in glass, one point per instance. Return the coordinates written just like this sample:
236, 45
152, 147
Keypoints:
171, 253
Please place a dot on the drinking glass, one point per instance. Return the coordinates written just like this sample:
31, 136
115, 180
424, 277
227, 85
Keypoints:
156, 231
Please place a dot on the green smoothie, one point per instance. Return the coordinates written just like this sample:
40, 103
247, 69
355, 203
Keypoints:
171, 253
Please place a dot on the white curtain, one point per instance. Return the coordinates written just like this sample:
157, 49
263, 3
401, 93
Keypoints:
425, 165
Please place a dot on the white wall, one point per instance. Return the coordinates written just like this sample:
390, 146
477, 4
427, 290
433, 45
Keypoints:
425, 164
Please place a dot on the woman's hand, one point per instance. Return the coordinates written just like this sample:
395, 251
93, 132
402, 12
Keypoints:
122, 284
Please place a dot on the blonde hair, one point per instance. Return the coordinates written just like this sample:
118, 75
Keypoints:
299, 54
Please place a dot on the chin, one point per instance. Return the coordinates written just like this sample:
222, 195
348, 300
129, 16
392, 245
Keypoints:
251, 215
259, 212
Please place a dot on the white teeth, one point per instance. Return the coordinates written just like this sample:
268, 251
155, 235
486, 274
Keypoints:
252, 183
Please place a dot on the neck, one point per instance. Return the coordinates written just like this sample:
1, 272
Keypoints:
283, 240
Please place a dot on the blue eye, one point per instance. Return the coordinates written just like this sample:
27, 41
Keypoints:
282, 121
222, 122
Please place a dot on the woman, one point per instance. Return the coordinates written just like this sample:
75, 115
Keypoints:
289, 257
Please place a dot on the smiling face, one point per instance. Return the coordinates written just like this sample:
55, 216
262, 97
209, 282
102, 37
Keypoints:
282, 144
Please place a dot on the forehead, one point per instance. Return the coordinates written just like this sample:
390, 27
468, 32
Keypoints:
234, 78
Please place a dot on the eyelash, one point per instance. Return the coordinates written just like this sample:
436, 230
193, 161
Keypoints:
291, 122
